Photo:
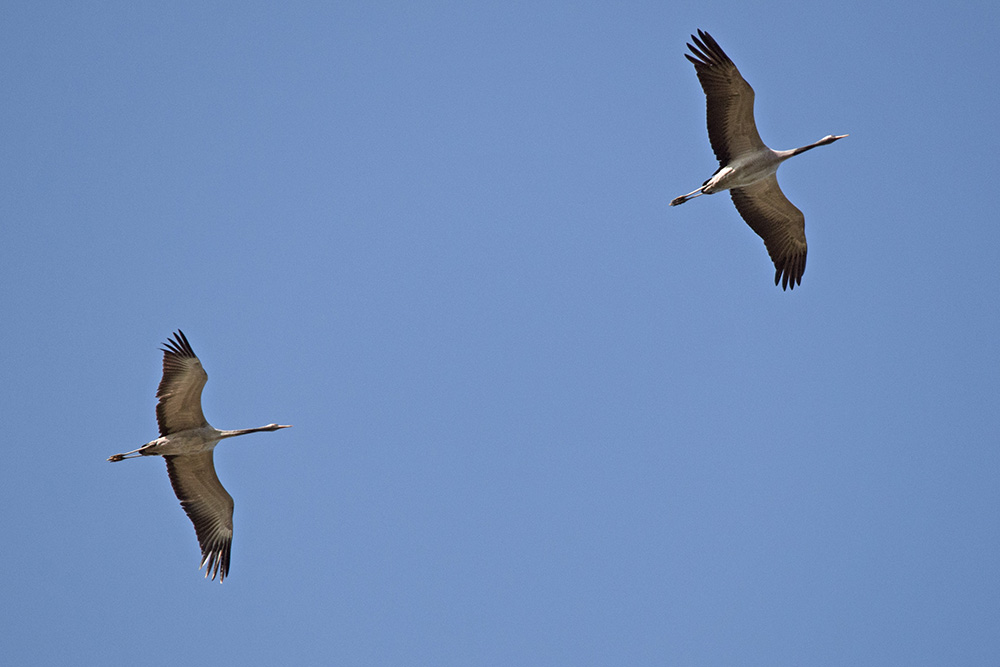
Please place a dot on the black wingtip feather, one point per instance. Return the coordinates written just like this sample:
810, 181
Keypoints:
790, 274
708, 50
178, 345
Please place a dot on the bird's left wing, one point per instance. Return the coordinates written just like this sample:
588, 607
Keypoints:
731, 127
208, 505
782, 226
179, 407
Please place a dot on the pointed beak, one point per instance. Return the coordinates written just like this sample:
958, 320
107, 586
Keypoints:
841, 136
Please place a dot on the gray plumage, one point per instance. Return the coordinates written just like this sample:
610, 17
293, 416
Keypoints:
747, 167
187, 442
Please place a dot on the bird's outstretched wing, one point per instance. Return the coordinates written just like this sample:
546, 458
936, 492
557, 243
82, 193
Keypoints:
208, 505
782, 226
731, 127
179, 392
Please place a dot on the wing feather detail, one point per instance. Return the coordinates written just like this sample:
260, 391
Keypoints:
208, 505
729, 100
179, 407
782, 226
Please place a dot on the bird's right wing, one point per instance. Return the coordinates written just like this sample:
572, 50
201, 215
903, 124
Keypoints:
207, 504
782, 226
179, 392
731, 127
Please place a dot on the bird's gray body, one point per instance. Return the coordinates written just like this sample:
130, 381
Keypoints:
744, 170
191, 441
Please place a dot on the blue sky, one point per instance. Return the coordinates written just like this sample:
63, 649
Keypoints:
539, 416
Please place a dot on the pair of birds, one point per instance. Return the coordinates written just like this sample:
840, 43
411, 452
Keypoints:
746, 168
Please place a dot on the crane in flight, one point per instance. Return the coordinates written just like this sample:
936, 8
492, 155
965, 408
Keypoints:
186, 442
748, 168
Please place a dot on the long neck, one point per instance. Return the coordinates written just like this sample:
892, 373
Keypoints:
802, 149
244, 431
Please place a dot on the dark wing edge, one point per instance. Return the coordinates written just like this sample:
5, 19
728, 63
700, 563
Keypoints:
708, 51
179, 391
208, 505
779, 223
729, 99
179, 346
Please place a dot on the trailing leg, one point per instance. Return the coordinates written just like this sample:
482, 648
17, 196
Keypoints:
691, 195
135, 453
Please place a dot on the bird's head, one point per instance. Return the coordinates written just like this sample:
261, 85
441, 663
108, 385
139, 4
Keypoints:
275, 427
830, 138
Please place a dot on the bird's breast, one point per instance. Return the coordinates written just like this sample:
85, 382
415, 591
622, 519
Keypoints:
191, 441
743, 171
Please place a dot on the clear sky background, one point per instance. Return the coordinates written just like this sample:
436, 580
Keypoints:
540, 418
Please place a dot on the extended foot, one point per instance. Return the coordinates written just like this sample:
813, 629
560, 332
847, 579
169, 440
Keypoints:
127, 455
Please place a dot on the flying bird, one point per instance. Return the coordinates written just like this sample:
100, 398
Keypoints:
747, 168
186, 441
